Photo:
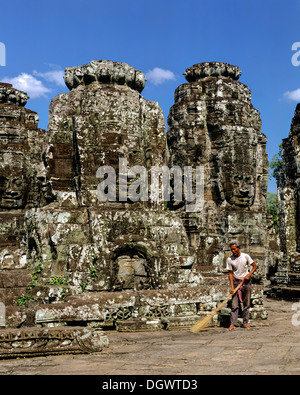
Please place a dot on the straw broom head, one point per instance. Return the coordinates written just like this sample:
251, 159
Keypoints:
206, 320
202, 323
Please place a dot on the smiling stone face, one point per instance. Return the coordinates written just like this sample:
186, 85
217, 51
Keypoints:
240, 189
239, 169
13, 181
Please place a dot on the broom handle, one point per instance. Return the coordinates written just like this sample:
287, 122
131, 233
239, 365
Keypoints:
230, 296
195, 327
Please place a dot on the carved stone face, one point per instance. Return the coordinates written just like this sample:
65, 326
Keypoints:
243, 190
13, 181
239, 179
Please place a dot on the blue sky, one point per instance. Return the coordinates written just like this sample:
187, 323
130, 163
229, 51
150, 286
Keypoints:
161, 38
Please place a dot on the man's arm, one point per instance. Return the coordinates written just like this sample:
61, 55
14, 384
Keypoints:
230, 274
252, 271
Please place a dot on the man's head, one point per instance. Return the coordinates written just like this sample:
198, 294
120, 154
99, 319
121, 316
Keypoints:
235, 247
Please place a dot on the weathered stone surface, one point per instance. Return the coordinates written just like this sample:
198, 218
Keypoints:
23, 185
8, 94
32, 342
106, 72
97, 123
127, 263
211, 69
213, 124
181, 352
145, 310
287, 277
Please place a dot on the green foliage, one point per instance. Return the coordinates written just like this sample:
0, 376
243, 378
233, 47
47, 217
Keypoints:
93, 271
64, 293
34, 282
58, 280
37, 270
24, 299
276, 164
83, 286
272, 202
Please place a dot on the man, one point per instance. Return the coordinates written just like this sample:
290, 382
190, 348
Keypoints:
238, 265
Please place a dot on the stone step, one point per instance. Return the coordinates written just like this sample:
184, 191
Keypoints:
295, 267
294, 279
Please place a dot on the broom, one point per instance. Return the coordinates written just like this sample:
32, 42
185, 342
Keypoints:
205, 321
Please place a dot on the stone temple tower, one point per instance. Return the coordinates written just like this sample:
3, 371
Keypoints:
125, 244
22, 186
71, 260
213, 123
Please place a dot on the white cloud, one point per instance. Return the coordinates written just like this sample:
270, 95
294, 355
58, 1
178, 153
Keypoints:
29, 84
293, 95
32, 85
55, 76
158, 76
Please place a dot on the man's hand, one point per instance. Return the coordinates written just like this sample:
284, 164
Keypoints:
252, 271
233, 291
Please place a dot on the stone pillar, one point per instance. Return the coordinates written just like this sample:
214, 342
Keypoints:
288, 274
22, 182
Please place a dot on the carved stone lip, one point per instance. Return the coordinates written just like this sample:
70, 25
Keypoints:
13, 197
244, 192
11, 201
245, 196
244, 200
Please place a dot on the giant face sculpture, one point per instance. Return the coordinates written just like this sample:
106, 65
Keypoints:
239, 189
239, 172
13, 181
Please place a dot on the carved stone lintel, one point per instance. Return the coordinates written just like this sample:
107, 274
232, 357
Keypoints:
29, 342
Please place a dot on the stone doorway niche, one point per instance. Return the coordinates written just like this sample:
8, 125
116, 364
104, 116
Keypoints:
131, 266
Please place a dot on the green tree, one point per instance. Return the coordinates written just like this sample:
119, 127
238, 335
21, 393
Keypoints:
276, 164
272, 202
